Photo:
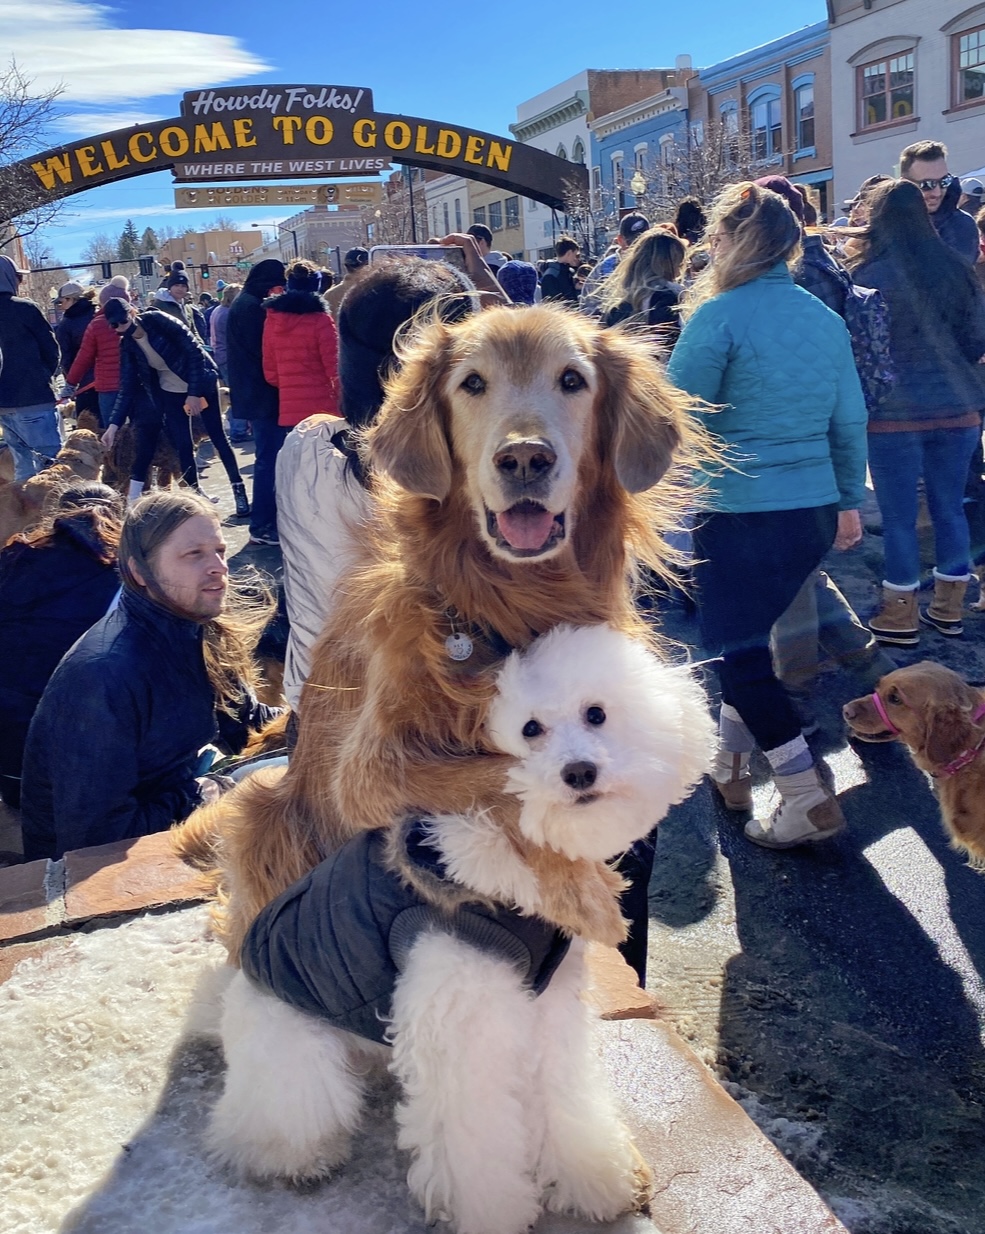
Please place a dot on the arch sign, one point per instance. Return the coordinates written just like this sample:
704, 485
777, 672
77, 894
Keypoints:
287, 132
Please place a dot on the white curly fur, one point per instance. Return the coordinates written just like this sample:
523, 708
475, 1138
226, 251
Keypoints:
503, 1107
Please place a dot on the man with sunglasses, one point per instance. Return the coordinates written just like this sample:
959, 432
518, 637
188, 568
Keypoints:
925, 164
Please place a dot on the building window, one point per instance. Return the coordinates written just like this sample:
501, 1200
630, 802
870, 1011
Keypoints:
561, 152
479, 215
578, 152
458, 214
729, 114
698, 134
618, 171
885, 90
495, 216
969, 56
766, 122
444, 206
666, 150
513, 212
639, 155
803, 112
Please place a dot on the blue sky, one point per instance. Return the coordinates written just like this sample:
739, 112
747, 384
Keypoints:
126, 62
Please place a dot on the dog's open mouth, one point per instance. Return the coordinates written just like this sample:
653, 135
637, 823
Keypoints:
526, 529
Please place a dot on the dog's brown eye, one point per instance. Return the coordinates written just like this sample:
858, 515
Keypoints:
595, 715
474, 384
894, 698
532, 728
571, 379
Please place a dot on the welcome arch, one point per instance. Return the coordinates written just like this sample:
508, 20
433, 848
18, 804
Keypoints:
283, 132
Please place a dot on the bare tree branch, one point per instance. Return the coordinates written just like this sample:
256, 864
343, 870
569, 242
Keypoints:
25, 117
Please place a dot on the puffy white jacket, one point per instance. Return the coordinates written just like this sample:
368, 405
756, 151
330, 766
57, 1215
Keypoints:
318, 510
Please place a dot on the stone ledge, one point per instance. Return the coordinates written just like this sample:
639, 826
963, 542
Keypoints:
105, 882
613, 991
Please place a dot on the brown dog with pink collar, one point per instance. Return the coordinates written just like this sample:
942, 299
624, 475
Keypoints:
941, 721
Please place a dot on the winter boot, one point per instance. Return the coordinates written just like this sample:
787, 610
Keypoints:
242, 505
730, 775
944, 611
807, 813
897, 622
206, 496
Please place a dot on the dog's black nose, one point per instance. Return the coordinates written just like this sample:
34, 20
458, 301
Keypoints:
525, 460
579, 776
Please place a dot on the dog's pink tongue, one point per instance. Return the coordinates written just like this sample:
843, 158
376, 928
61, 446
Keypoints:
525, 529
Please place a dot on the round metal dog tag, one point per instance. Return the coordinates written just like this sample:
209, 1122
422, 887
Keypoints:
458, 646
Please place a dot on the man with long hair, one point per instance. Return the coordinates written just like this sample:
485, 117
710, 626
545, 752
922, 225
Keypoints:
115, 749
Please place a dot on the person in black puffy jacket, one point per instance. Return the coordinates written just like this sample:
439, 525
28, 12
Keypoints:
30, 358
55, 582
645, 287
115, 748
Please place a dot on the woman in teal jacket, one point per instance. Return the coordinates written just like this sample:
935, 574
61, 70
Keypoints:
777, 366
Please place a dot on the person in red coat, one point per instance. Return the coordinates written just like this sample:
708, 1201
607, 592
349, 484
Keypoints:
301, 348
100, 349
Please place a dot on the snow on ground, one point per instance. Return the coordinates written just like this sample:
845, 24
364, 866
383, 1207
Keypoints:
106, 1085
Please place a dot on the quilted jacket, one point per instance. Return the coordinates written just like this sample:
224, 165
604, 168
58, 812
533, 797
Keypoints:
301, 356
780, 366
70, 331
334, 944
180, 350
934, 356
100, 350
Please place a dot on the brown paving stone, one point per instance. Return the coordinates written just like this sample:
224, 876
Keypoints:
613, 991
22, 900
11, 956
126, 877
714, 1170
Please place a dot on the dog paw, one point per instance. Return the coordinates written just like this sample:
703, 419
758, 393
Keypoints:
300, 1165
614, 1181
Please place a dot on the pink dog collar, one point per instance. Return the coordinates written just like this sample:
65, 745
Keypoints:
956, 764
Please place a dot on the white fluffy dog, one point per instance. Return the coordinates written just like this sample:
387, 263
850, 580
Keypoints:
503, 1108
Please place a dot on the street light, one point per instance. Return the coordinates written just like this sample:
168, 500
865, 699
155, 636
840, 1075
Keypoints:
280, 227
637, 186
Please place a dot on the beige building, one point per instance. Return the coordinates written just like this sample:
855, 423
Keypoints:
222, 249
500, 211
905, 71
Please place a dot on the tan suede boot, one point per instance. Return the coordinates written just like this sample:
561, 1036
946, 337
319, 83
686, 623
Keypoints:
730, 775
945, 609
807, 813
897, 622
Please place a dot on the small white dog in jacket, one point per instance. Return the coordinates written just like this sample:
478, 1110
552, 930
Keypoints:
427, 941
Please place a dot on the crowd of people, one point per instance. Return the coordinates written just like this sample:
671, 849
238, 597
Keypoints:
811, 352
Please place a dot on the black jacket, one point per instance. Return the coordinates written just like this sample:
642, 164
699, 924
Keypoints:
251, 394
334, 944
822, 276
558, 283
30, 354
180, 350
661, 313
113, 749
934, 354
956, 228
69, 332
190, 315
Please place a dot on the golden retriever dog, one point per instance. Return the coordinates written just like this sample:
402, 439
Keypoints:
84, 453
23, 503
526, 463
941, 721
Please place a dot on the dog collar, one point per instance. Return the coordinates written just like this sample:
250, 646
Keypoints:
956, 764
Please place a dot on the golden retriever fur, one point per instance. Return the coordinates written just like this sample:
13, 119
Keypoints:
932, 708
387, 721
23, 503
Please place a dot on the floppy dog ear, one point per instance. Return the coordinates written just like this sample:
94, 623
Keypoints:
408, 441
948, 730
641, 410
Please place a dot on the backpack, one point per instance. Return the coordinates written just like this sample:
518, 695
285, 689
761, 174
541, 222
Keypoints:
867, 319
866, 315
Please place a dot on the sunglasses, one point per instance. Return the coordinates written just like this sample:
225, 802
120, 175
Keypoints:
928, 186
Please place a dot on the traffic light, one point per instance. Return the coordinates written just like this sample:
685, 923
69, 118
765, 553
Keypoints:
146, 265
107, 268
205, 273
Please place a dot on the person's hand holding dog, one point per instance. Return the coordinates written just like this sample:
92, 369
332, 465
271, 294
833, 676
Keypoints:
110, 436
194, 405
849, 530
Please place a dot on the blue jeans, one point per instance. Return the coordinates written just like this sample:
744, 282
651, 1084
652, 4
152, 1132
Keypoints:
896, 462
32, 434
107, 401
268, 437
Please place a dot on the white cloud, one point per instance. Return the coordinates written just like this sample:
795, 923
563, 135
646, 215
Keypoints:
73, 43
84, 123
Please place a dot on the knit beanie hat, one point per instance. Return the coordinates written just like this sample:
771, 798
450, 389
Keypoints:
519, 280
783, 188
113, 291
